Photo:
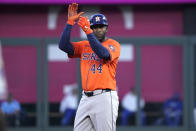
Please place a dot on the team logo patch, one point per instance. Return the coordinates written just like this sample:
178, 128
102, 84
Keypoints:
112, 47
97, 18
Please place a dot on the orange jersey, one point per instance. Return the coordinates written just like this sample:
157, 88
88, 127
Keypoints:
97, 73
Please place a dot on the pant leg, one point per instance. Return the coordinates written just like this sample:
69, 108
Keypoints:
11, 120
143, 118
124, 117
85, 125
105, 111
177, 120
82, 120
168, 120
68, 116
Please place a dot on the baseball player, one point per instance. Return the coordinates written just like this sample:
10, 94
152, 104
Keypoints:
98, 108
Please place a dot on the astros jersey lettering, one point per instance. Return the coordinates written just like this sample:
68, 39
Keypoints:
97, 73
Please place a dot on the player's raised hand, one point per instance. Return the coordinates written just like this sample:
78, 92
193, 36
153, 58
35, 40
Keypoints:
85, 24
73, 14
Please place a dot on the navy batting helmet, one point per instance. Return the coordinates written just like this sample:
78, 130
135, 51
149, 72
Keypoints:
98, 19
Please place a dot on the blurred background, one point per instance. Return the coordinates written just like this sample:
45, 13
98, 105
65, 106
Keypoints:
40, 87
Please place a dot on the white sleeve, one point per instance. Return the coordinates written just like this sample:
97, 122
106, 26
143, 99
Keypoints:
63, 105
142, 103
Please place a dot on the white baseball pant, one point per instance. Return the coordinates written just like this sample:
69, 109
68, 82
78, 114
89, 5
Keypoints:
97, 113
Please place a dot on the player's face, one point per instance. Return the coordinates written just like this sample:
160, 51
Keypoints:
100, 32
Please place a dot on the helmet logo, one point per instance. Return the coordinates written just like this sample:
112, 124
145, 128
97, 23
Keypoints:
97, 18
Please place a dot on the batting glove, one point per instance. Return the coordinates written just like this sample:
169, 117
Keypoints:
72, 13
85, 25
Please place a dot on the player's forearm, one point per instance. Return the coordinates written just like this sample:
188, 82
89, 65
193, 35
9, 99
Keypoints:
97, 47
64, 42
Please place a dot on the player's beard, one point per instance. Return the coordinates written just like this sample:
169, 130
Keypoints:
101, 37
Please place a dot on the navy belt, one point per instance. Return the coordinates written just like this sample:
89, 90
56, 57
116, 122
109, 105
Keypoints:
96, 92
